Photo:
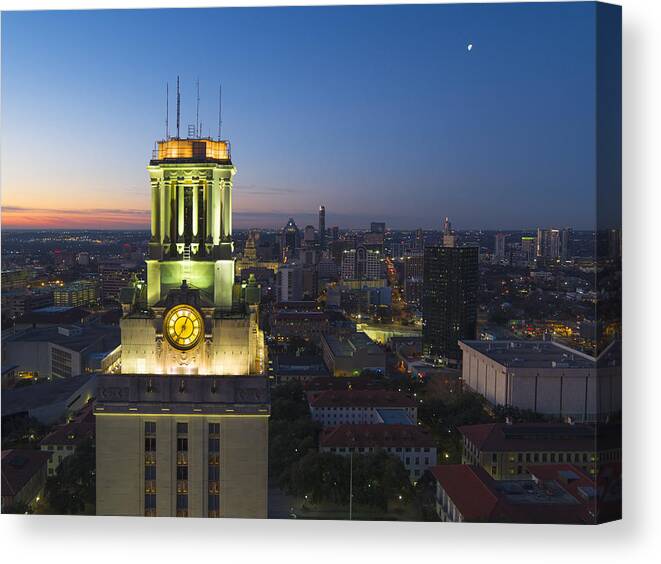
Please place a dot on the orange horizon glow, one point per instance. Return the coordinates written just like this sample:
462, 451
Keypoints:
17, 217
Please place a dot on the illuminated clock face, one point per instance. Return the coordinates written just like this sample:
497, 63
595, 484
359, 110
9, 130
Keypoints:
183, 327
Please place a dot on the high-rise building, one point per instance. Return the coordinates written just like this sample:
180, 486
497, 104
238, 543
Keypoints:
554, 244
182, 429
413, 276
309, 238
290, 240
369, 263
114, 276
419, 244
378, 227
449, 302
348, 267
614, 243
289, 283
449, 239
566, 236
499, 246
528, 248
322, 227
548, 243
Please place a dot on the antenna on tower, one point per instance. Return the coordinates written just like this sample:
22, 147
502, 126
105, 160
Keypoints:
220, 109
178, 106
167, 110
197, 111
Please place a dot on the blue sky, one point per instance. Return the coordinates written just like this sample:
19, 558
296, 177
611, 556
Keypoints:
379, 113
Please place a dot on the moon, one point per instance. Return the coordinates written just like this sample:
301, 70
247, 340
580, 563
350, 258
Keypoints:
470, 46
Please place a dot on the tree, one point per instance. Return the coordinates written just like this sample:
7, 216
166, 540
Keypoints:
289, 441
292, 433
325, 478
73, 488
444, 416
322, 477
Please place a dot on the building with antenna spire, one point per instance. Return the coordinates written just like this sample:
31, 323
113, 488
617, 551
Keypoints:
182, 423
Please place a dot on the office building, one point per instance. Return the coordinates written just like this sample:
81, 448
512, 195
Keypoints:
322, 227
81, 293
500, 241
114, 277
60, 351
554, 244
290, 240
449, 302
414, 270
529, 249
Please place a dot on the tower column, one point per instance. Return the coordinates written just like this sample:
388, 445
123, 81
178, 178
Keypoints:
165, 211
194, 211
180, 210
227, 210
155, 209
208, 203
217, 210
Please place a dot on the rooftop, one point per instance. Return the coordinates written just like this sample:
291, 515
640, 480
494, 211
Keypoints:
504, 437
20, 400
191, 151
394, 416
468, 487
379, 435
75, 338
18, 466
362, 398
350, 345
555, 494
531, 354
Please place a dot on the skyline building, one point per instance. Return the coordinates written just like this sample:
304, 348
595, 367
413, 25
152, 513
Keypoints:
182, 424
528, 248
290, 240
322, 227
449, 299
499, 245
449, 239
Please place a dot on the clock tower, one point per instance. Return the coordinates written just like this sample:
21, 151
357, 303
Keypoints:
182, 422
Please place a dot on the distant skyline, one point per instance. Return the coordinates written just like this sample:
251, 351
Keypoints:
379, 113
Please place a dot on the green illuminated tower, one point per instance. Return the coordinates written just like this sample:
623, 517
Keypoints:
191, 223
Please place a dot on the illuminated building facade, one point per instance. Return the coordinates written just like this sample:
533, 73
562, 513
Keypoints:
182, 425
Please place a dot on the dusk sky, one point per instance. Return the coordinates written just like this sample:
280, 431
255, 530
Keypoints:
379, 113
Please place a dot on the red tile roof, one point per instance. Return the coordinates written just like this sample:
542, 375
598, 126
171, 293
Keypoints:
69, 434
562, 494
468, 488
378, 435
75, 432
18, 466
504, 437
362, 398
